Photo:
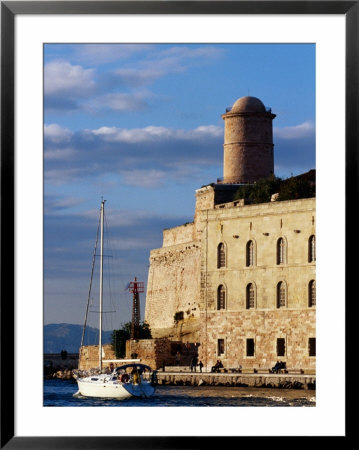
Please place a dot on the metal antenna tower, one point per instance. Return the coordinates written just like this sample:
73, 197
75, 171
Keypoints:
136, 287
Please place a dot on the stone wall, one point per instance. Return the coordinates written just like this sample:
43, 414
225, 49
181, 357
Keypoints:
264, 327
284, 381
209, 196
55, 361
89, 356
184, 277
263, 224
248, 147
57, 367
173, 286
178, 235
153, 352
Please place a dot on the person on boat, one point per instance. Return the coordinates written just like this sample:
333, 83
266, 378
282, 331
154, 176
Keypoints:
200, 366
135, 376
123, 377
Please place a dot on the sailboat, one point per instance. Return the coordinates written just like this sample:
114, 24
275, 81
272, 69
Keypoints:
131, 379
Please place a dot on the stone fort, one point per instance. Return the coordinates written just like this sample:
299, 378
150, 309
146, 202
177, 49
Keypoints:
238, 283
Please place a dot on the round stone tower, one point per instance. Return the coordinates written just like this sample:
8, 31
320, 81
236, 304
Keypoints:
248, 142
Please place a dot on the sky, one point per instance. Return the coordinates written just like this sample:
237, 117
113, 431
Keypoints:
140, 126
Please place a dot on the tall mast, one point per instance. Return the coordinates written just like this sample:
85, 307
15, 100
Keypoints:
101, 285
90, 288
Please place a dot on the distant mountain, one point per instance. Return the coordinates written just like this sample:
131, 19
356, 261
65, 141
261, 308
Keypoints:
66, 336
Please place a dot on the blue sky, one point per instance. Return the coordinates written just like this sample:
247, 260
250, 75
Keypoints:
140, 125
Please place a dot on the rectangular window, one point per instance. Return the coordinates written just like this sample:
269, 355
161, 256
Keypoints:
250, 347
311, 347
220, 347
280, 347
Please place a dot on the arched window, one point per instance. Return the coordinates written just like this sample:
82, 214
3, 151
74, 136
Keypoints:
250, 253
221, 297
311, 294
311, 249
281, 295
221, 256
281, 251
250, 296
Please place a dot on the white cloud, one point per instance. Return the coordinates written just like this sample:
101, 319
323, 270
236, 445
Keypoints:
135, 243
135, 77
61, 77
194, 52
208, 130
179, 58
150, 178
171, 60
119, 102
126, 218
55, 133
152, 133
54, 203
59, 154
66, 83
106, 53
61, 176
303, 130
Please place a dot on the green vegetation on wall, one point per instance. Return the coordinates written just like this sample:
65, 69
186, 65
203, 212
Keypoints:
289, 189
119, 337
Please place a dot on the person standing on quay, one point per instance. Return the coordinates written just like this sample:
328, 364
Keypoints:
177, 359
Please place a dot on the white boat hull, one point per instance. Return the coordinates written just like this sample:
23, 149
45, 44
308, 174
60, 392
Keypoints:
114, 389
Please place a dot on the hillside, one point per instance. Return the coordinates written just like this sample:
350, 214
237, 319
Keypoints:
65, 336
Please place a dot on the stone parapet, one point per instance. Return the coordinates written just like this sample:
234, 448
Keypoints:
178, 235
283, 381
158, 353
89, 356
173, 286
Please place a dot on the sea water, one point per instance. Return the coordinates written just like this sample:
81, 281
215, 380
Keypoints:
61, 393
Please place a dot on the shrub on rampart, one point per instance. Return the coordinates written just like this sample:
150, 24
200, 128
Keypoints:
292, 188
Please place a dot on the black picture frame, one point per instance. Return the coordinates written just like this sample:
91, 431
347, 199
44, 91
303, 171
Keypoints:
9, 9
